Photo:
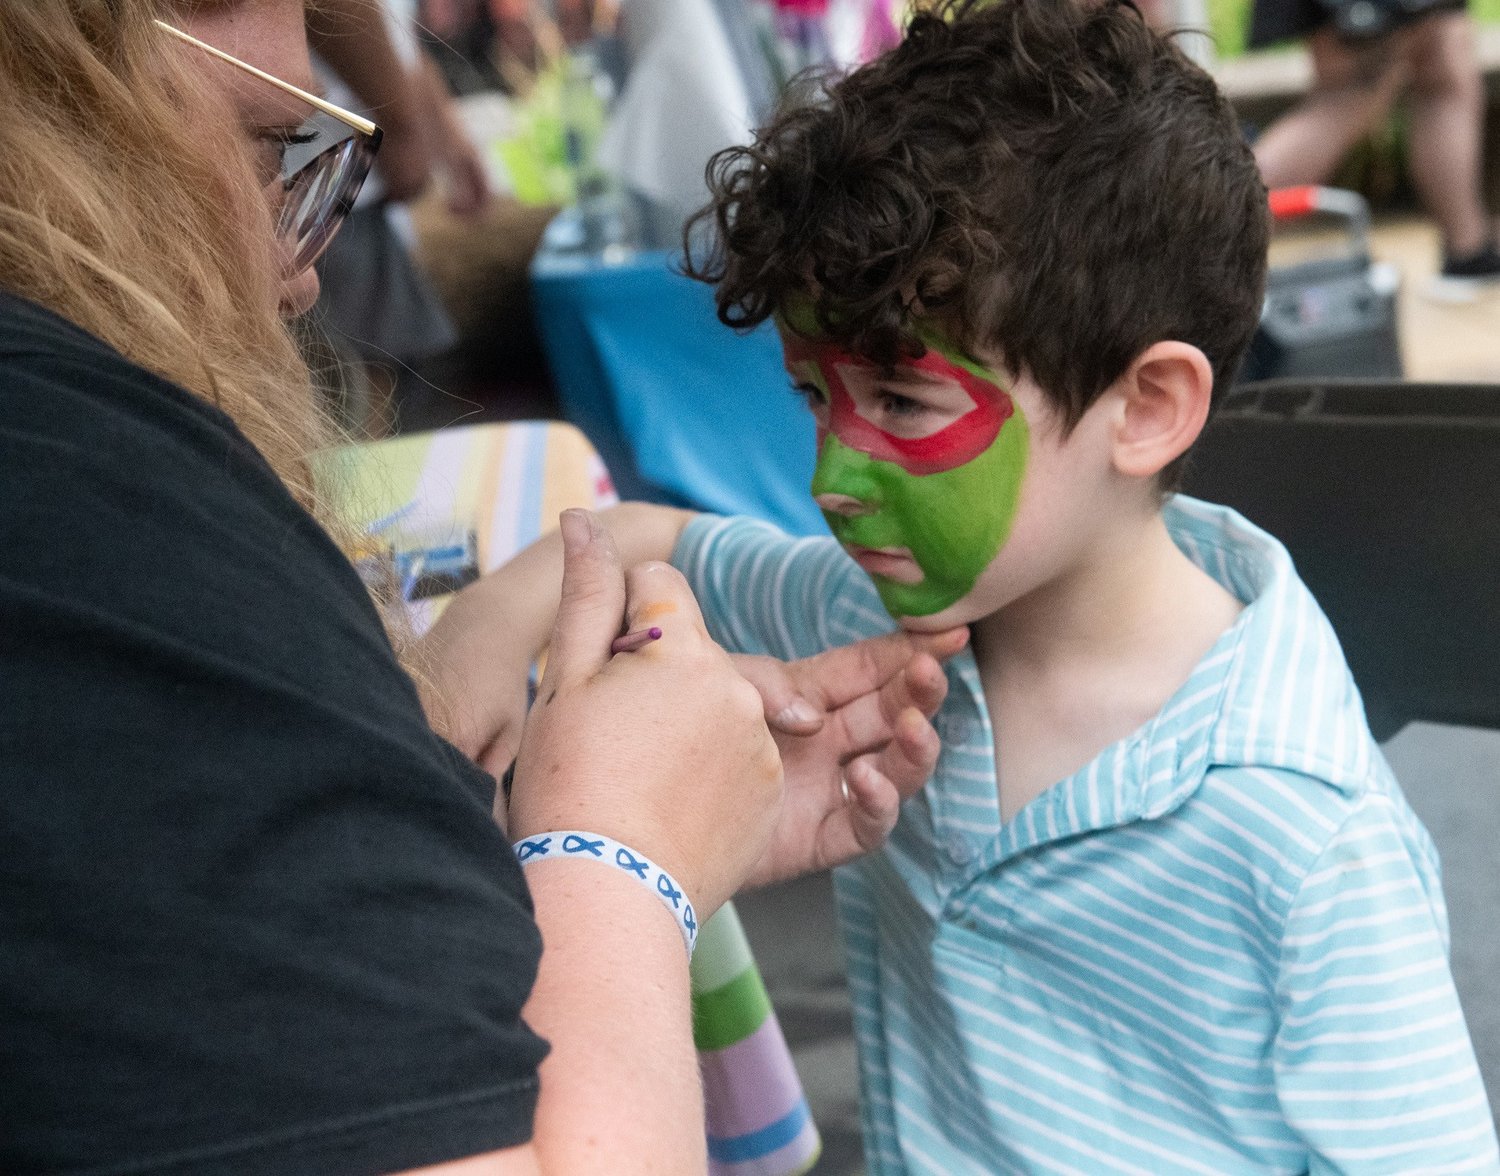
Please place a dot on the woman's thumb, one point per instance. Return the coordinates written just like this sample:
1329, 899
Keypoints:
593, 600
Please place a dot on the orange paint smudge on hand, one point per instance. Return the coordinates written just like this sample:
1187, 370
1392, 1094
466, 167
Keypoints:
660, 609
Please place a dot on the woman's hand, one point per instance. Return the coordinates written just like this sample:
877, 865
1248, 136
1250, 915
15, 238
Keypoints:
855, 738
665, 749
478, 656
483, 713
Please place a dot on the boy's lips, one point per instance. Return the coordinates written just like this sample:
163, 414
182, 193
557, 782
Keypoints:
893, 563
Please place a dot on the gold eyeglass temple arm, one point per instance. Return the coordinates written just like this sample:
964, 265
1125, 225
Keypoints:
363, 125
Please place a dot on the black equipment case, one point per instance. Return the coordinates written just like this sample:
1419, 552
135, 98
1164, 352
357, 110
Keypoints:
1331, 316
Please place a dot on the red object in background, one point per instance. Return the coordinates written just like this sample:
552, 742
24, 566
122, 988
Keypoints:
1292, 203
1287, 203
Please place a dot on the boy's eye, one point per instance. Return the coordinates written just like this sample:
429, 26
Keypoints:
811, 393
894, 404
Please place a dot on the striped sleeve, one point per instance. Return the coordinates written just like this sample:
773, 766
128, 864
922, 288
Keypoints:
761, 590
1374, 1067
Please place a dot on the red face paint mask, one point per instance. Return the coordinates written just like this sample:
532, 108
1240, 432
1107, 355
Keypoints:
955, 444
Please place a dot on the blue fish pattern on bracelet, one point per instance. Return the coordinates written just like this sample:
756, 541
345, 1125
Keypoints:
575, 843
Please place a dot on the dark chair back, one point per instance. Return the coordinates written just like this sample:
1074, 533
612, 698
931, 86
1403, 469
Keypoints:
1387, 494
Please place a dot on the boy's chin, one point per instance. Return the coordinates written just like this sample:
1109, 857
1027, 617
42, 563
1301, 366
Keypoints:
932, 624
976, 603
949, 618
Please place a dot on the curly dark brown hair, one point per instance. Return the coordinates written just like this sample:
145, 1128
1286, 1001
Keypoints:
1049, 178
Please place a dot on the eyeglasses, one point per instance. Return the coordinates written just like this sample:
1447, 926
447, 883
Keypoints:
322, 167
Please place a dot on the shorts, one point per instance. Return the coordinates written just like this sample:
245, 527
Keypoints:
1282, 20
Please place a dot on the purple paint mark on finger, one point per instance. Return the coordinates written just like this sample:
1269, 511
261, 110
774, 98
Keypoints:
630, 642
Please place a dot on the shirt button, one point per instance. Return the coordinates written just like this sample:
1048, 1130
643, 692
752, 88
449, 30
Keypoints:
958, 850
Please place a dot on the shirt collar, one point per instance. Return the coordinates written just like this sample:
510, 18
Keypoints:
1273, 692
1289, 700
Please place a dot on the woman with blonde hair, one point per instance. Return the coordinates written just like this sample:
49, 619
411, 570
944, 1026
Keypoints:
256, 915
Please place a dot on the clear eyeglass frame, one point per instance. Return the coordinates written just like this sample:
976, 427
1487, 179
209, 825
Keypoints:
323, 167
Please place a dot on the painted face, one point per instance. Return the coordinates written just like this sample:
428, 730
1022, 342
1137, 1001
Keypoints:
919, 467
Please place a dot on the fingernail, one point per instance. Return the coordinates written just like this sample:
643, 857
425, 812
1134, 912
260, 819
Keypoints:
800, 711
576, 527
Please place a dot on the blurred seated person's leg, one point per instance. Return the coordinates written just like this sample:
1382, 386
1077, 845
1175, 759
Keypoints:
1445, 146
1354, 88
1355, 84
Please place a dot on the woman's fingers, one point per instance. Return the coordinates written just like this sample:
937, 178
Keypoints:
658, 597
910, 758
841, 676
664, 747
871, 681
873, 804
869, 722
875, 785
593, 599
786, 708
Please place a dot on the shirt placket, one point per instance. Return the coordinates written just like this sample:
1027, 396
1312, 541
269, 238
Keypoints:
964, 804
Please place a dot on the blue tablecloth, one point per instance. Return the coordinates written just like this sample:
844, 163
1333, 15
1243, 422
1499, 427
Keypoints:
682, 409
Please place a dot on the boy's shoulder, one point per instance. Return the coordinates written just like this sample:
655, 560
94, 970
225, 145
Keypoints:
1284, 699
1288, 765
1284, 826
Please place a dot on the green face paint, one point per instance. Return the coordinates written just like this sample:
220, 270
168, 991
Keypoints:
946, 499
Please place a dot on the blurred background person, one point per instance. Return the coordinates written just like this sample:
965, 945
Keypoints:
379, 312
1427, 57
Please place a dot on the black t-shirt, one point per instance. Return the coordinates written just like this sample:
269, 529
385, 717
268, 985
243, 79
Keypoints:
254, 916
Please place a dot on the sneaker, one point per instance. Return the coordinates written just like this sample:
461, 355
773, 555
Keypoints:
1462, 278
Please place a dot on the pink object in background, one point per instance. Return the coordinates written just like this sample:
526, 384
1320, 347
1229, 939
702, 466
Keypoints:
813, 9
881, 33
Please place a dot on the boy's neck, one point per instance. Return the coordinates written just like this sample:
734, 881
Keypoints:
1086, 659
1109, 603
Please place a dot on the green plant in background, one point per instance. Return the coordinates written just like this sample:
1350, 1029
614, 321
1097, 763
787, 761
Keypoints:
550, 152
535, 153
1229, 20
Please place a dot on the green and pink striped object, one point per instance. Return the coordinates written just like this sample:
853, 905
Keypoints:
758, 1120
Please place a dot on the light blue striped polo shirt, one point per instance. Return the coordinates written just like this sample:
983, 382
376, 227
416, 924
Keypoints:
1219, 948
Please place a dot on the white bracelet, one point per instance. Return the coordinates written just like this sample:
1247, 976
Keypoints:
595, 847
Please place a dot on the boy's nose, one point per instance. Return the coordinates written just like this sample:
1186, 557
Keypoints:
843, 482
843, 504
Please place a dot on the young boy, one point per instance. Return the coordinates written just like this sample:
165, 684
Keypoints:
1162, 907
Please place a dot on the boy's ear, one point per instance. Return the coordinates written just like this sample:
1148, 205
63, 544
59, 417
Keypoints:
1164, 400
